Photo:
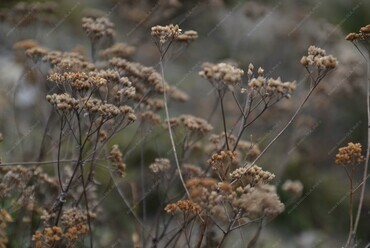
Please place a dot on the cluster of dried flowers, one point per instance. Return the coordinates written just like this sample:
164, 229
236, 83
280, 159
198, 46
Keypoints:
362, 35
350, 154
74, 226
101, 99
317, 58
26, 13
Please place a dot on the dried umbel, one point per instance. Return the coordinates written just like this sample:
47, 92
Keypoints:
260, 201
252, 175
76, 223
187, 37
350, 154
5, 219
192, 123
221, 162
48, 237
165, 33
268, 88
68, 61
222, 74
185, 206
150, 117
98, 28
25, 13
115, 156
208, 193
362, 35
78, 80
317, 58
160, 165
293, 188
63, 102
120, 50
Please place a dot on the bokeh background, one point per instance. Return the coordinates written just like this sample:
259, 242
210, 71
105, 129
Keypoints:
270, 34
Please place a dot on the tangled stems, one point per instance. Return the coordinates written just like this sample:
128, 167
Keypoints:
314, 82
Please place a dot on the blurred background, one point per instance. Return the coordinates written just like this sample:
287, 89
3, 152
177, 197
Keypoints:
270, 34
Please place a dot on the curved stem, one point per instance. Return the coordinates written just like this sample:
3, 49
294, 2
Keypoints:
285, 127
170, 129
362, 195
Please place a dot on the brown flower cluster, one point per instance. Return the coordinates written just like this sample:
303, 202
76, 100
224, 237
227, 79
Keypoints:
165, 33
16, 178
98, 28
185, 206
120, 50
317, 57
160, 165
150, 117
79, 80
75, 222
362, 35
25, 13
63, 102
221, 74
294, 188
350, 154
68, 61
192, 123
252, 175
268, 87
260, 201
221, 162
115, 156
5, 219
48, 237
187, 37
210, 194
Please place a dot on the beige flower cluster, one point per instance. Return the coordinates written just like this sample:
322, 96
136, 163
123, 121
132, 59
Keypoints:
252, 175
115, 156
160, 165
120, 50
317, 57
185, 206
221, 74
192, 123
260, 201
98, 28
63, 102
362, 35
165, 33
350, 154
187, 37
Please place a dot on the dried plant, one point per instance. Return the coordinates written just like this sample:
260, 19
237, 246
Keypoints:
184, 180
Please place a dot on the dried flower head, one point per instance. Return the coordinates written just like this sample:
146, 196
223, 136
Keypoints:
165, 33
222, 161
121, 50
252, 175
63, 102
350, 154
192, 123
115, 156
188, 36
185, 206
221, 74
98, 28
362, 35
295, 188
317, 57
160, 165
261, 200
5, 219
